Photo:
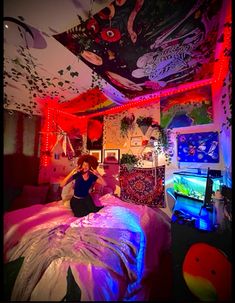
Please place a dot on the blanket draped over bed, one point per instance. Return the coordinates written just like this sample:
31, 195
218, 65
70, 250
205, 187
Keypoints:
110, 253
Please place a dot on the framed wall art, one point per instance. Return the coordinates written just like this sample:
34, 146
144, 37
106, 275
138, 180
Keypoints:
111, 156
97, 153
136, 141
192, 107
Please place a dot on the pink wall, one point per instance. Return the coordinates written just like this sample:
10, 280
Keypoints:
21, 153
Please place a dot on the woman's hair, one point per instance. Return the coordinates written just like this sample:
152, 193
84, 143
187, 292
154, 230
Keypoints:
91, 160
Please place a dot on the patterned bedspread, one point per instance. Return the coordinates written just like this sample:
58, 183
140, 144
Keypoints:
104, 256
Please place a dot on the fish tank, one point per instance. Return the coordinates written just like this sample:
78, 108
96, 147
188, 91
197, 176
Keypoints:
193, 185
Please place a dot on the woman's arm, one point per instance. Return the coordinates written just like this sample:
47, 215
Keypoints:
100, 179
69, 178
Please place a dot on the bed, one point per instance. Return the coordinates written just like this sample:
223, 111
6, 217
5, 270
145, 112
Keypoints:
104, 256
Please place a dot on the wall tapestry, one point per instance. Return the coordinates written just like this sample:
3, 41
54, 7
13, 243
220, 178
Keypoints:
141, 47
138, 185
198, 147
95, 133
188, 108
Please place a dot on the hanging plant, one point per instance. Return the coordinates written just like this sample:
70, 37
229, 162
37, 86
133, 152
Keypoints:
162, 142
129, 159
126, 124
144, 123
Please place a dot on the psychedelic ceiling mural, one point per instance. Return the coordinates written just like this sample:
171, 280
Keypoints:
187, 108
144, 46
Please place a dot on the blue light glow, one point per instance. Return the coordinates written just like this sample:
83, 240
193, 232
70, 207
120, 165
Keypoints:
204, 218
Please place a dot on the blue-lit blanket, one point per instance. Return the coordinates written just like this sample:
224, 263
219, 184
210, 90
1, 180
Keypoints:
105, 256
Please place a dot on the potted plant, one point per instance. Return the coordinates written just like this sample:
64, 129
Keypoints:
126, 124
144, 123
162, 142
129, 160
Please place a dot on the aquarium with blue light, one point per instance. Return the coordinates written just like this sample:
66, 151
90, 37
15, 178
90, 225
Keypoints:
193, 185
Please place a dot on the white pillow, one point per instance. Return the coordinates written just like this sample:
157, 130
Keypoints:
68, 191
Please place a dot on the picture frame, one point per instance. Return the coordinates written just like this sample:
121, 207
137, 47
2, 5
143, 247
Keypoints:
111, 156
96, 153
136, 141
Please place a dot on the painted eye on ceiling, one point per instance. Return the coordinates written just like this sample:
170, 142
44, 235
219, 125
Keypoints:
93, 25
110, 34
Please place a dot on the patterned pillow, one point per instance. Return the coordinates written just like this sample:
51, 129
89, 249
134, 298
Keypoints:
143, 186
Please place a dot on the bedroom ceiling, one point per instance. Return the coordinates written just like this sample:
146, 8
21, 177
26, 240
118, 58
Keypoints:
119, 52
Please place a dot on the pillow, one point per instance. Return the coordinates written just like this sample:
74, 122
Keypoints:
35, 194
68, 191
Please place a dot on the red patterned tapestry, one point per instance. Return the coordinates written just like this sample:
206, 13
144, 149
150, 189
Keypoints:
145, 186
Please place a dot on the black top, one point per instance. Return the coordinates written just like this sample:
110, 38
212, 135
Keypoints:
81, 188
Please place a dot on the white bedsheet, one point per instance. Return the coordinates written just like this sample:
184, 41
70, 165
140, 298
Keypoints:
110, 253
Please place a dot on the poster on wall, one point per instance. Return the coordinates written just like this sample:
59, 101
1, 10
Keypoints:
96, 153
95, 133
192, 107
198, 147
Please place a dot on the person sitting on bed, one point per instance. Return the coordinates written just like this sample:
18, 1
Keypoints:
85, 175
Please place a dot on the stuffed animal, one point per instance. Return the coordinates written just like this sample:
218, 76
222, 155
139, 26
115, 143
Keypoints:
208, 273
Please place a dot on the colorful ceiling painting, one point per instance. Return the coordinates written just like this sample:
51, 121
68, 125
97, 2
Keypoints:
198, 147
187, 108
144, 46
89, 102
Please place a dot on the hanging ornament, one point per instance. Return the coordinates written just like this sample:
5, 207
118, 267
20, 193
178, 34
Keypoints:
66, 144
